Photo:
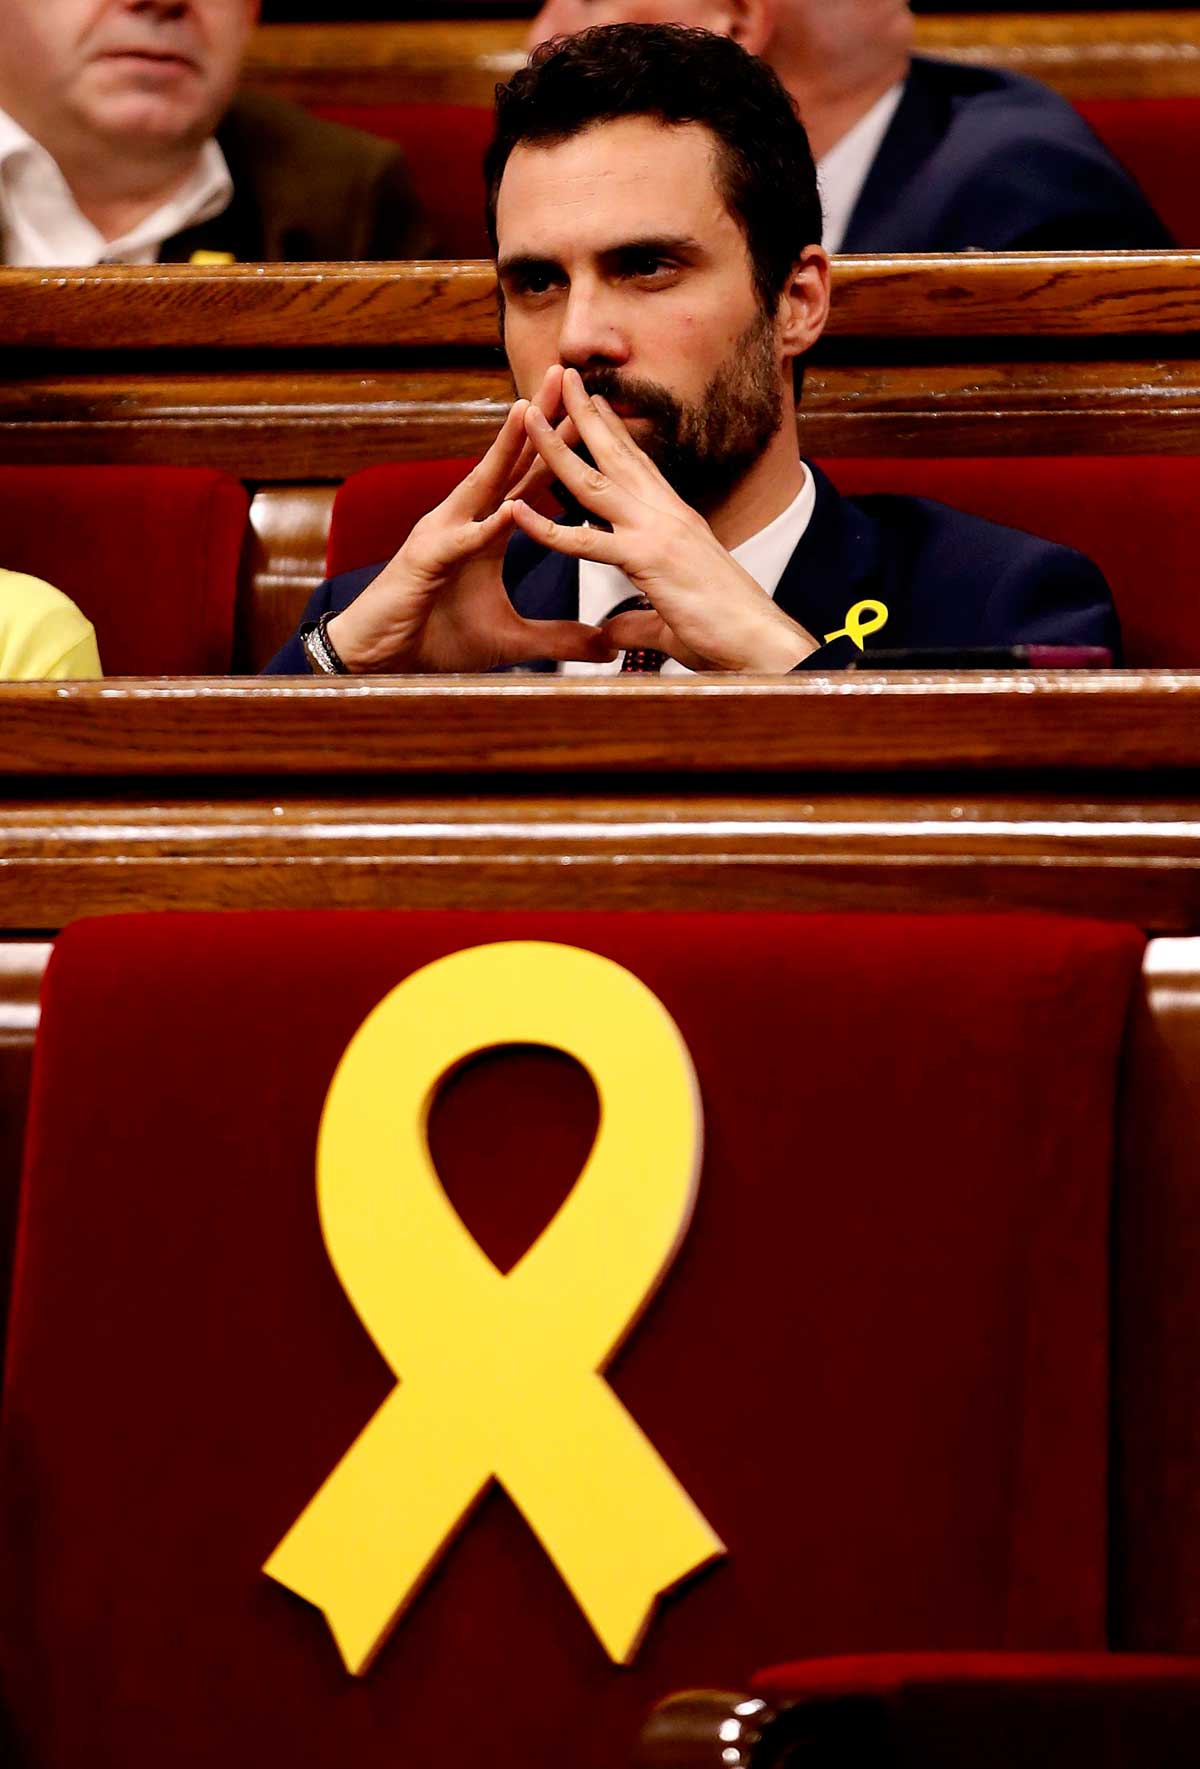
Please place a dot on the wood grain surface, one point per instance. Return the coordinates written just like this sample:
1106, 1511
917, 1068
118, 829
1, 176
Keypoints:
290, 374
349, 308
458, 61
1107, 722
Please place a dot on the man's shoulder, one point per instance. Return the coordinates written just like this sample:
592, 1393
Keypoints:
257, 124
1007, 161
307, 188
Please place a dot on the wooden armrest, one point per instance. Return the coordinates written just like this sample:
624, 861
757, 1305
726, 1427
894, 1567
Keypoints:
943, 1710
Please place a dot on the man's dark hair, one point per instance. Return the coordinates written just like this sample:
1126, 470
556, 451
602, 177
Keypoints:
765, 169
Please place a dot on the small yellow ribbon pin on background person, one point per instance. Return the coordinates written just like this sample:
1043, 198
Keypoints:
863, 619
499, 1374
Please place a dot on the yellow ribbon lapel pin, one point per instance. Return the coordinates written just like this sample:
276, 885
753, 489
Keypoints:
499, 1374
863, 619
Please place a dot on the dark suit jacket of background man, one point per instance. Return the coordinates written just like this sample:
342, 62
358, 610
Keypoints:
304, 188
946, 579
979, 158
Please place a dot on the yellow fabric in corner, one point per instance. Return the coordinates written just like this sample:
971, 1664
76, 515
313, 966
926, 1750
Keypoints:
43, 636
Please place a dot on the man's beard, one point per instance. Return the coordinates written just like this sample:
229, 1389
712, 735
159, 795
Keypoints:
704, 450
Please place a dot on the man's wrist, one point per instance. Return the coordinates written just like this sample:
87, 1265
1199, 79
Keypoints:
778, 647
359, 655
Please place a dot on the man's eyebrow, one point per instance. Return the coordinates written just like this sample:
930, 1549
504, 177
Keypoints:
661, 245
521, 263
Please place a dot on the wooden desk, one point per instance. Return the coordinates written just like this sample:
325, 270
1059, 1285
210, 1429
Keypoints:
866, 791
459, 61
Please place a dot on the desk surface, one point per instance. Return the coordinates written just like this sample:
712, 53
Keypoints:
1064, 792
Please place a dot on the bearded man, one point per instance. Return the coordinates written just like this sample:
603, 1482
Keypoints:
653, 206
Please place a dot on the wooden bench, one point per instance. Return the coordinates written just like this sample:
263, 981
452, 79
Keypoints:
293, 377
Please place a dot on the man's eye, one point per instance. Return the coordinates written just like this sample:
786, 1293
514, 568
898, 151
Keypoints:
534, 282
647, 266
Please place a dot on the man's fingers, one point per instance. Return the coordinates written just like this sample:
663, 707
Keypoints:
640, 630
577, 543
592, 488
533, 478
605, 436
567, 641
485, 485
548, 398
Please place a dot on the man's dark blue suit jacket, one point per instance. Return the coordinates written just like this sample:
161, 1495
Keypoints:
978, 158
945, 578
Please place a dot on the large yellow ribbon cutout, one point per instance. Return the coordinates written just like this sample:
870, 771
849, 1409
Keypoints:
498, 1374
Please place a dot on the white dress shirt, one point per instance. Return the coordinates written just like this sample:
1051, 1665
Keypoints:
41, 223
764, 556
843, 171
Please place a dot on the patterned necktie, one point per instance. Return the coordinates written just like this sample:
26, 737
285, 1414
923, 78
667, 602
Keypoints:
641, 660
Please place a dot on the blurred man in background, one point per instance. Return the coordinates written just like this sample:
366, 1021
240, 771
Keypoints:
121, 141
914, 155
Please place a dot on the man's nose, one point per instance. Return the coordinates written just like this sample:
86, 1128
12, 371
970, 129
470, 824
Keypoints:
161, 9
591, 330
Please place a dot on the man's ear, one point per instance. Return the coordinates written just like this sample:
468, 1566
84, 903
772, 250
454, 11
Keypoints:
752, 23
804, 303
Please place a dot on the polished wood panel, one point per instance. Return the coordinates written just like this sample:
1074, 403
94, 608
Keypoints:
303, 374
284, 563
346, 308
1156, 1441
459, 61
852, 791
1104, 722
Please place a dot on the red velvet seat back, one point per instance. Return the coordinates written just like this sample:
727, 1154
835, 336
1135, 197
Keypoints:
1158, 141
374, 510
878, 1365
1135, 515
444, 145
150, 554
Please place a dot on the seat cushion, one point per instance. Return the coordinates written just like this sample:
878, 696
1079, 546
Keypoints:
444, 145
878, 1364
1158, 141
150, 554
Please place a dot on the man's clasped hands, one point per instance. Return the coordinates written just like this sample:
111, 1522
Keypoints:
440, 604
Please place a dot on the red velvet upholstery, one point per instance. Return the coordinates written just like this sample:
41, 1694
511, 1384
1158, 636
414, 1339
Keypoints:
1158, 141
444, 145
993, 1711
375, 509
1134, 514
878, 1365
149, 553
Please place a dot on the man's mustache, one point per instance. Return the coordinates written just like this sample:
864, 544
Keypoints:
642, 399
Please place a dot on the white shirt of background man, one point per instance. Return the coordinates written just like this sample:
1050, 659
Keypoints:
843, 172
764, 556
41, 223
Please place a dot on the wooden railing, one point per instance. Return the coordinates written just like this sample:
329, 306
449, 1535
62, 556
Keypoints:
1064, 792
